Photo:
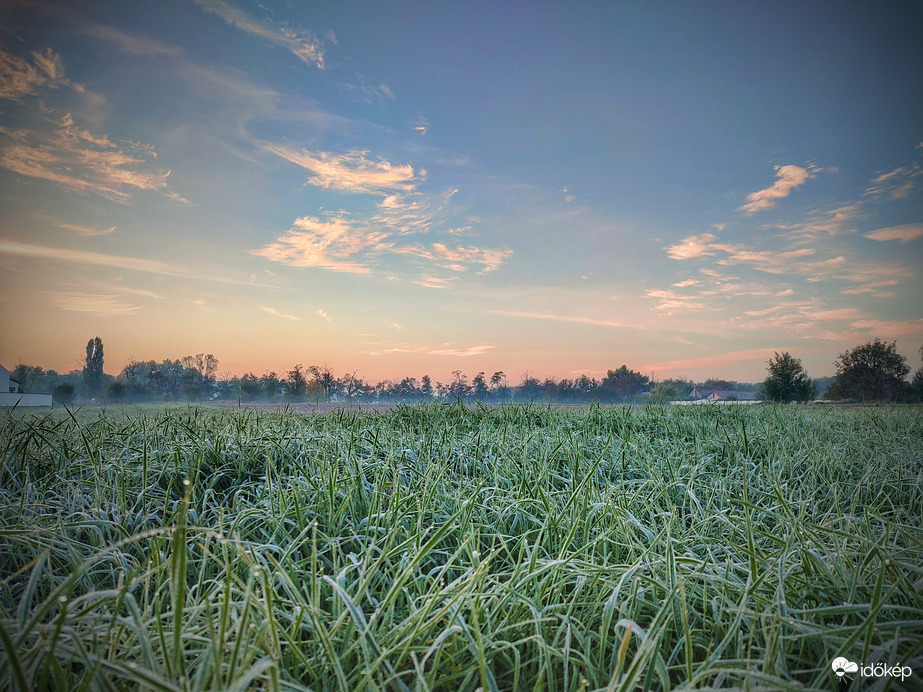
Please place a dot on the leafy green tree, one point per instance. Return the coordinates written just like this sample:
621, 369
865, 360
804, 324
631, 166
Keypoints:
459, 388
479, 386
498, 388
296, 384
115, 392
324, 380
670, 390
916, 384
249, 387
426, 387
787, 380
871, 372
63, 393
93, 366
271, 385
622, 384
529, 388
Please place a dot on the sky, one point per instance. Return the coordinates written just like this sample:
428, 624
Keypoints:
404, 188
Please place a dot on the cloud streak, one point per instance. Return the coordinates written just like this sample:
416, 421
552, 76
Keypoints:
788, 178
905, 233
96, 259
94, 304
300, 43
87, 230
80, 160
896, 184
20, 77
573, 319
275, 313
350, 172
311, 242
338, 244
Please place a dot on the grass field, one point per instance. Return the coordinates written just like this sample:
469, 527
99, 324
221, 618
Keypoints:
451, 548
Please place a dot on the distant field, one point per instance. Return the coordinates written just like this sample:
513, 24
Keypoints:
452, 548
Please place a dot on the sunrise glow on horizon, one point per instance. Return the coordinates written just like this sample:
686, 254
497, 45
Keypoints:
398, 189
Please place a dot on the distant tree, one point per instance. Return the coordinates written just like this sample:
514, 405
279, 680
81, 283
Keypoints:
529, 388
93, 366
63, 393
324, 380
352, 386
271, 385
498, 388
35, 380
821, 384
670, 390
115, 392
787, 380
458, 388
296, 384
249, 387
916, 384
586, 387
405, 389
426, 387
622, 384
479, 387
871, 372
719, 384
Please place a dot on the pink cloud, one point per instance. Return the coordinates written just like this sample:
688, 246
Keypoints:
788, 179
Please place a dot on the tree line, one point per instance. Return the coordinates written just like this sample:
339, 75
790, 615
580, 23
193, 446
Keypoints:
874, 371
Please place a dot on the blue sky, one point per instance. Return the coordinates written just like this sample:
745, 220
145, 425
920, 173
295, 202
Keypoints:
408, 188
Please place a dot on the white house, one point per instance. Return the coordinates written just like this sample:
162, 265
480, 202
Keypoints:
11, 393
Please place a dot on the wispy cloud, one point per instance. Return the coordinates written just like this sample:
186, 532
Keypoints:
904, 233
573, 319
458, 259
324, 315
788, 179
441, 350
351, 172
770, 261
867, 272
94, 304
301, 43
462, 352
891, 328
710, 361
420, 126
340, 244
367, 93
407, 213
873, 288
20, 77
434, 282
275, 313
824, 224
896, 184
86, 230
311, 242
97, 259
693, 246
80, 160
671, 301
801, 319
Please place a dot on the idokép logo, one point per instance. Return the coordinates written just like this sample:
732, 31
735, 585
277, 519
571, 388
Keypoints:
843, 666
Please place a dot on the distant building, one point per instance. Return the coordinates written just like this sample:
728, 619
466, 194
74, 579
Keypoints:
702, 394
11, 393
